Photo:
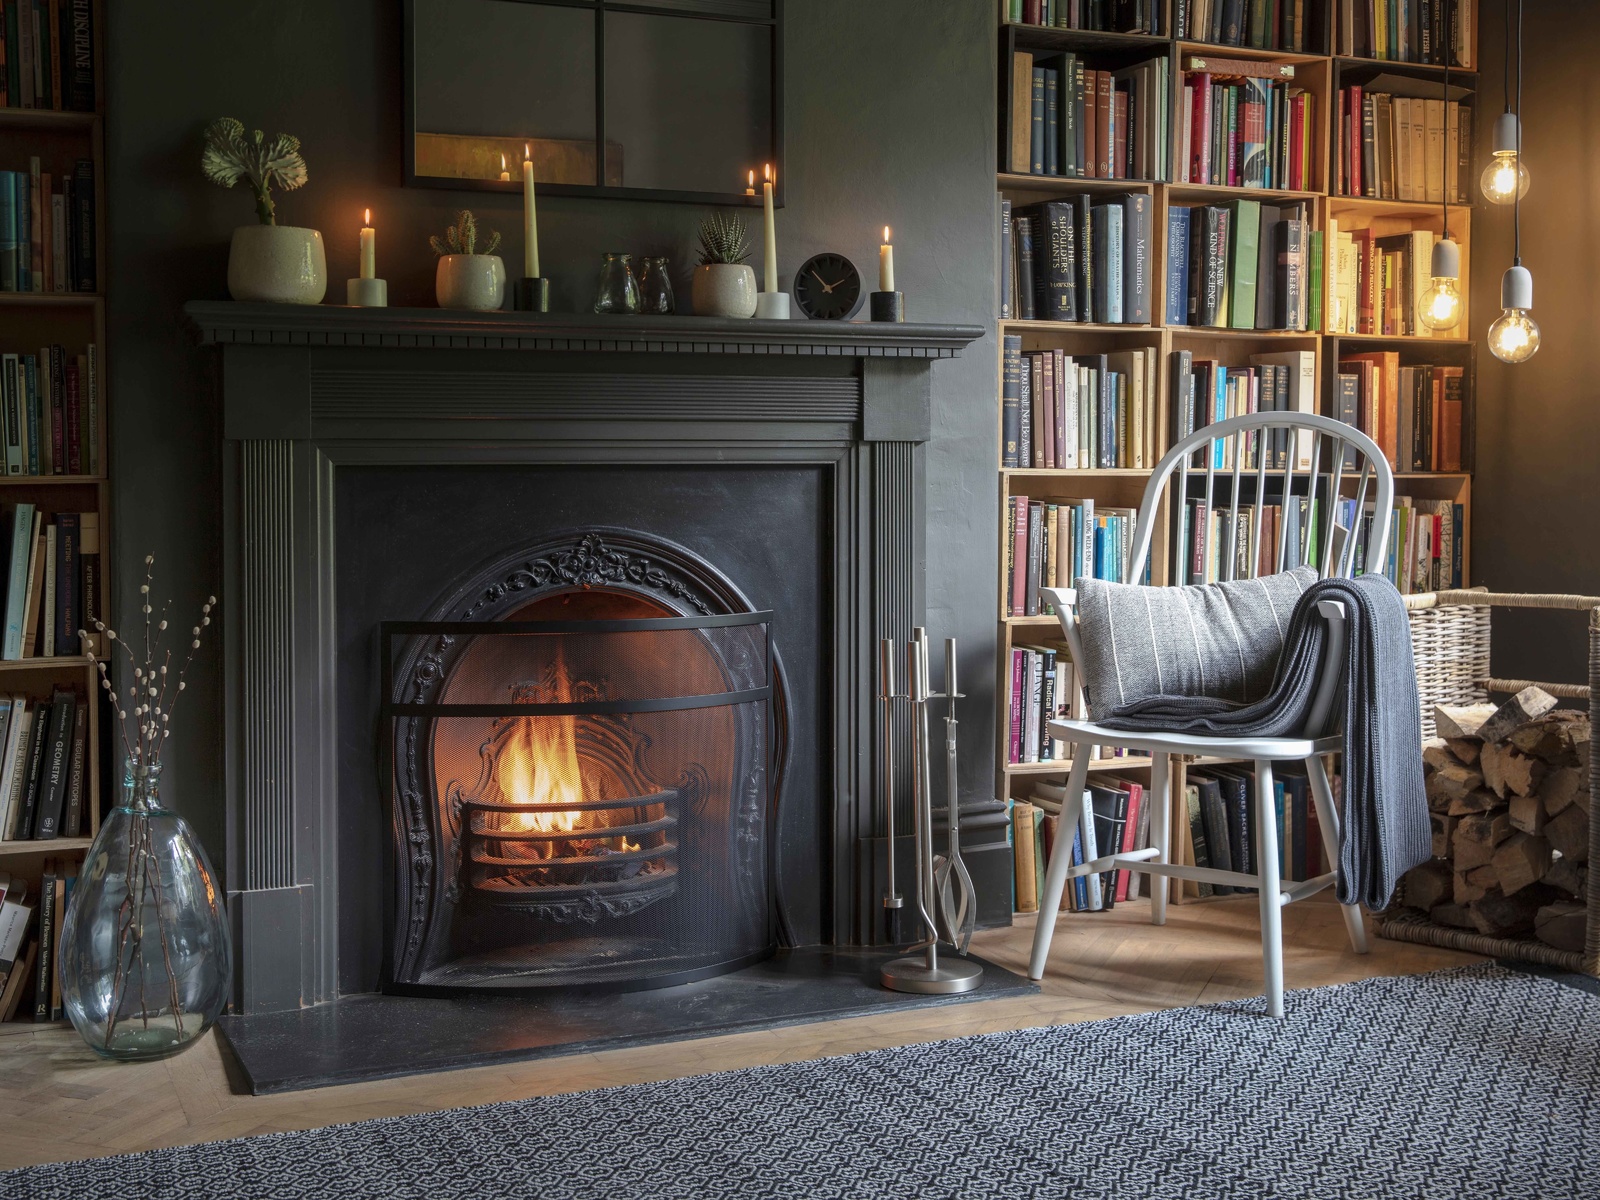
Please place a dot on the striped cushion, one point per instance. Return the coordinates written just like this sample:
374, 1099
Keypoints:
1220, 640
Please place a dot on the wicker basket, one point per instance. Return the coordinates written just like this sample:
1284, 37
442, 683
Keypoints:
1450, 640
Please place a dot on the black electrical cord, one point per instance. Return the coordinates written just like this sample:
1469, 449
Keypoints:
1516, 196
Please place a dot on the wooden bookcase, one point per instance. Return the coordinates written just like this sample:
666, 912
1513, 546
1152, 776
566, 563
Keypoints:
29, 321
1322, 73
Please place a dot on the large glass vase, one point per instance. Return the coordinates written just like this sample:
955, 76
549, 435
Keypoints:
145, 954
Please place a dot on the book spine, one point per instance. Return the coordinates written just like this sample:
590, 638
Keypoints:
1036, 124
1019, 568
1057, 276
1178, 265
84, 273
66, 615
34, 772
1052, 121
93, 409
45, 967
1004, 306
1023, 227
1018, 659
1136, 263
72, 815
1011, 402
57, 764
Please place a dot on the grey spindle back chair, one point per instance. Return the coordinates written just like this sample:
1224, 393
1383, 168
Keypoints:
1320, 470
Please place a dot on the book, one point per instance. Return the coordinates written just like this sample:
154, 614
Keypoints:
1108, 269
45, 968
72, 823
1010, 410
1177, 290
1004, 307
18, 740
19, 550
1214, 814
56, 766
1022, 830
1137, 259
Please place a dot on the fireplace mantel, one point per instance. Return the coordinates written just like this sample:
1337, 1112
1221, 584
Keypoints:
308, 391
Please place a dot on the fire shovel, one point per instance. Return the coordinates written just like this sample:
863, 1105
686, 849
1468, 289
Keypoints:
957, 907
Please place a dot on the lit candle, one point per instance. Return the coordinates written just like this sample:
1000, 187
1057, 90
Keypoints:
886, 264
530, 222
772, 233
369, 247
505, 175
750, 189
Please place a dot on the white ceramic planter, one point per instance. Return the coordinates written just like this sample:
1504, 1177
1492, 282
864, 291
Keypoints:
724, 290
281, 263
474, 281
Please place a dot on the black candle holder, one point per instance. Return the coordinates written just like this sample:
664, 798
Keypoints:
888, 306
532, 294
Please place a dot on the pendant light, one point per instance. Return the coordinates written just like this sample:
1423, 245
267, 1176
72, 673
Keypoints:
1514, 335
1505, 179
1440, 307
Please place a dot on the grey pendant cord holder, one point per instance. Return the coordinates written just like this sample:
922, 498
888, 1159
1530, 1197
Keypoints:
921, 971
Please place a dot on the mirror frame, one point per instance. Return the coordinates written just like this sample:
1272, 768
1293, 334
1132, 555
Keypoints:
708, 10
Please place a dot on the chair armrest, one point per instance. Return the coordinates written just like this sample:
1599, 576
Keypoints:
1065, 601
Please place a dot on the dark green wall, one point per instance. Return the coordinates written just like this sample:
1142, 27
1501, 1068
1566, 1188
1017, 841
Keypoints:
889, 121
1537, 491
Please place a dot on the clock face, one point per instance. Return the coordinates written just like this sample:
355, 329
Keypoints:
828, 287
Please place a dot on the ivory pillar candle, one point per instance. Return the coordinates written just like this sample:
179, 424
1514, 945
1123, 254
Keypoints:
886, 264
771, 256
369, 247
530, 221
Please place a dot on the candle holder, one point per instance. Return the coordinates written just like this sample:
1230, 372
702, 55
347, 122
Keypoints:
772, 306
366, 293
888, 306
532, 294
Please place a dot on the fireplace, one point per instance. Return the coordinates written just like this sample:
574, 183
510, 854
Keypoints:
581, 773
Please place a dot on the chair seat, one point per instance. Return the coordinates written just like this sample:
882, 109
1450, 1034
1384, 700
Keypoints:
1272, 749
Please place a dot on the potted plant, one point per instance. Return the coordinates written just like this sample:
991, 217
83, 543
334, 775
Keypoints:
468, 277
282, 263
723, 285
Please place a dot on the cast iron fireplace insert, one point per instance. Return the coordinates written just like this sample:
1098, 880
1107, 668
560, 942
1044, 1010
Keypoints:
582, 794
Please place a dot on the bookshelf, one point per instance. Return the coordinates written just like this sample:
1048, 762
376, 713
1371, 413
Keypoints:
74, 320
1326, 63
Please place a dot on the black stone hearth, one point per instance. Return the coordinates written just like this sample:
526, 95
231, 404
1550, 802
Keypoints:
378, 1037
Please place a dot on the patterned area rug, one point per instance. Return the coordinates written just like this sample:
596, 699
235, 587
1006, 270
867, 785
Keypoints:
1475, 1082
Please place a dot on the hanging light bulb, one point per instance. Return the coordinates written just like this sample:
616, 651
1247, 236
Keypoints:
1505, 179
1440, 306
1514, 335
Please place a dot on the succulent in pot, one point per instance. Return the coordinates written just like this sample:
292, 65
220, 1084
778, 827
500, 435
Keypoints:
723, 285
470, 275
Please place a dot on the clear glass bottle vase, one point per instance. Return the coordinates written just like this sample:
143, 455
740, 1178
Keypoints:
618, 292
146, 960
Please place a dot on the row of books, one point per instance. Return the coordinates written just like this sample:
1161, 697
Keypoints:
1249, 132
1050, 543
1259, 24
50, 407
47, 229
1244, 265
1113, 819
1072, 120
1065, 412
1425, 31
1415, 412
1206, 391
1377, 281
1212, 533
52, 582
47, 54
1219, 803
1044, 688
1426, 545
30, 937
1105, 16
1084, 259
43, 785
1403, 147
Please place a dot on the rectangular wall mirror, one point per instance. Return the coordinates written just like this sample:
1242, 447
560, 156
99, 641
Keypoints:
647, 99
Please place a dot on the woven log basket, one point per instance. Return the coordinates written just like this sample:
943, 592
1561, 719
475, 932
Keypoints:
1450, 640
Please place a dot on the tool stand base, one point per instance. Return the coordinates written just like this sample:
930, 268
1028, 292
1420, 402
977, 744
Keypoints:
951, 976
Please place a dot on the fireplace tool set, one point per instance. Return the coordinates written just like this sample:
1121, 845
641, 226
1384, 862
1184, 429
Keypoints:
943, 887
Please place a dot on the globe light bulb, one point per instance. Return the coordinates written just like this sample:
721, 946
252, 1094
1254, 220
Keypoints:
1440, 306
1514, 335
1505, 179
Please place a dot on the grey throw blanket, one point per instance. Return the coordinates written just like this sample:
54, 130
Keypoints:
1384, 823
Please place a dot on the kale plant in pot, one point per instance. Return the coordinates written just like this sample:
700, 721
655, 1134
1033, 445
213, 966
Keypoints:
266, 261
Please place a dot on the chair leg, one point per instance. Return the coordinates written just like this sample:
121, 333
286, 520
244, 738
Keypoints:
1160, 798
1268, 887
1328, 819
1055, 876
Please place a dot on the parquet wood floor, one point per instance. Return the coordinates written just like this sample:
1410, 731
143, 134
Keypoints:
59, 1102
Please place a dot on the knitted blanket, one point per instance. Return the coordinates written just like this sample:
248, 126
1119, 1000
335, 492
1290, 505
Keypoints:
1384, 823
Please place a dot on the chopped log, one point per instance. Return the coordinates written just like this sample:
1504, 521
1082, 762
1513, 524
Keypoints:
1427, 885
1497, 915
1436, 754
1520, 860
1560, 737
1475, 802
1464, 891
1456, 916
1453, 781
1465, 749
1460, 720
1526, 706
1568, 832
1562, 925
1564, 787
1507, 769
1444, 828
1527, 814
1476, 837
1567, 876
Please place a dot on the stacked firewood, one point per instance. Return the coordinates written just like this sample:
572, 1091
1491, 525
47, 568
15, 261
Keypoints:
1508, 794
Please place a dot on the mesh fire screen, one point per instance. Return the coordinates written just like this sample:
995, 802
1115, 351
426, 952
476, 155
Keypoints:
579, 801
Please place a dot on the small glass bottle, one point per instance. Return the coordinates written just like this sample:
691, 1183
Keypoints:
655, 284
619, 290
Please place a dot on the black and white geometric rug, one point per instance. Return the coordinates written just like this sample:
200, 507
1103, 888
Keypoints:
1476, 1083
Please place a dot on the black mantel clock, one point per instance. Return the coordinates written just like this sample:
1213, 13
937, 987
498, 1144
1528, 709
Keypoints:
828, 287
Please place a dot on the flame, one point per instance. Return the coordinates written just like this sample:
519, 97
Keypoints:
766, 171
538, 764
502, 162
752, 177
366, 217
885, 235
527, 152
